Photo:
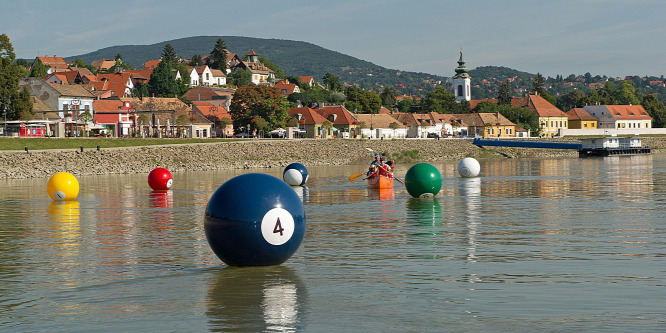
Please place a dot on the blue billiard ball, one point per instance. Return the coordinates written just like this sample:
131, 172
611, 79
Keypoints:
254, 220
295, 174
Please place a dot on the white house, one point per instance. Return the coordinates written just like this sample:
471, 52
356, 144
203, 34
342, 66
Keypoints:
620, 116
378, 126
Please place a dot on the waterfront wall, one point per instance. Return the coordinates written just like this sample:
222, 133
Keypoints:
255, 154
612, 131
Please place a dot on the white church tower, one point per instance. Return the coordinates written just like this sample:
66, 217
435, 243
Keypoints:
462, 82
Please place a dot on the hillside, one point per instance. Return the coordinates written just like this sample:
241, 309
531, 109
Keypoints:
302, 58
294, 57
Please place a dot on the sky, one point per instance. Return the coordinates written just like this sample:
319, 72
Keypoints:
603, 37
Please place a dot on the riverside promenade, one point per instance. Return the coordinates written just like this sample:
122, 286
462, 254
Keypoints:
256, 154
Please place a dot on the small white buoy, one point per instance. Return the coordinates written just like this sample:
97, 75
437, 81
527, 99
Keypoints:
469, 167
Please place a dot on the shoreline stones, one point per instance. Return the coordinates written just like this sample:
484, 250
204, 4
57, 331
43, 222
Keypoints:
255, 154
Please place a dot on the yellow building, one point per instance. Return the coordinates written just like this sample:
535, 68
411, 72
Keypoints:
551, 119
488, 125
581, 119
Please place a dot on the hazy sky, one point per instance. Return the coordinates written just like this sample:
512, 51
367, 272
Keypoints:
611, 37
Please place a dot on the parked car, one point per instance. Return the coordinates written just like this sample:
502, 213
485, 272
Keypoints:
433, 135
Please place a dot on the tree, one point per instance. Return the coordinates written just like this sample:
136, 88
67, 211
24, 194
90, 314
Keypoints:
292, 122
573, 99
224, 122
79, 63
256, 101
85, 117
440, 100
39, 70
141, 90
405, 104
184, 81
625, 94
332, 82
143, 121
162, 81
219, 55
504, 95
655, 109
538, 84
241, 77
119, 57
327, 125
197, 60
520, 116
394, 125
16, 103
169, 55
273, 66
388, 97
362, 101
310, 96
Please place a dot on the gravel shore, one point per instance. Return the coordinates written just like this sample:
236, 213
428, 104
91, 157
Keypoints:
257, 154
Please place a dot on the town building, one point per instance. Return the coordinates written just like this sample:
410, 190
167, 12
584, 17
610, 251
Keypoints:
581, 119
620, 116
462, 82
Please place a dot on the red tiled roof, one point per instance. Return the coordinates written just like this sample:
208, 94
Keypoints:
60, 76
107, 105
288, 88
580, 114
306, 79
54, 62
384, 110
378, 120
217, 73
343, 116
208, 109
151, 64
308, 116
628, 112
116, 82
140, 74
540, 105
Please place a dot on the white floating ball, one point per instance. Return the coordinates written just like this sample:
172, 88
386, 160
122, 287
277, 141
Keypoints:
469, 167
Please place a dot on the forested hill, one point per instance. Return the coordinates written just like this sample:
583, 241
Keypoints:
295, 58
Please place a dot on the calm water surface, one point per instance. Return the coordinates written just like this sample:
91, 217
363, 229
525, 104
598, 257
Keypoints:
554, 245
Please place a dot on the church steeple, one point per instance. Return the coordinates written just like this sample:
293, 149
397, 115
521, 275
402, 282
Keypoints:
462, 81
461, 71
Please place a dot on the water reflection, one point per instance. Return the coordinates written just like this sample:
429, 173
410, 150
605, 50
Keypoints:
66, 224
425, 211
302, 192
256, 299
161, 199
471, 192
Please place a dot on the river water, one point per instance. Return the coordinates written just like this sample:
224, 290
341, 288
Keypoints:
554, 245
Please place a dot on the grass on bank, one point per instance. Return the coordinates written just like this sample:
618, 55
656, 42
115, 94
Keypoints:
90, 143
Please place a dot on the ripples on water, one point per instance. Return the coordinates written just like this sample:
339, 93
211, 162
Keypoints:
531, 245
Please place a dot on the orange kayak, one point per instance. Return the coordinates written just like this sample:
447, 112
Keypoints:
380, 182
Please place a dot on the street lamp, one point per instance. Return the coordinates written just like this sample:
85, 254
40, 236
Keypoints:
5, 101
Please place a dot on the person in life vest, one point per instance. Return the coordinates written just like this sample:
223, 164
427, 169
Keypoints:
373, 170
384, 169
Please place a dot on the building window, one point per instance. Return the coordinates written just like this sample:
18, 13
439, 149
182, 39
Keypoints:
584, 124
460, 90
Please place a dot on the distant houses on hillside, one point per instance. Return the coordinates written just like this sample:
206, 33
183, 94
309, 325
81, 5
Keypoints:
72, 101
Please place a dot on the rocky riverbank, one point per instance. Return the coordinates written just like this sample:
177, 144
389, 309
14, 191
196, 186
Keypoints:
257, 154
